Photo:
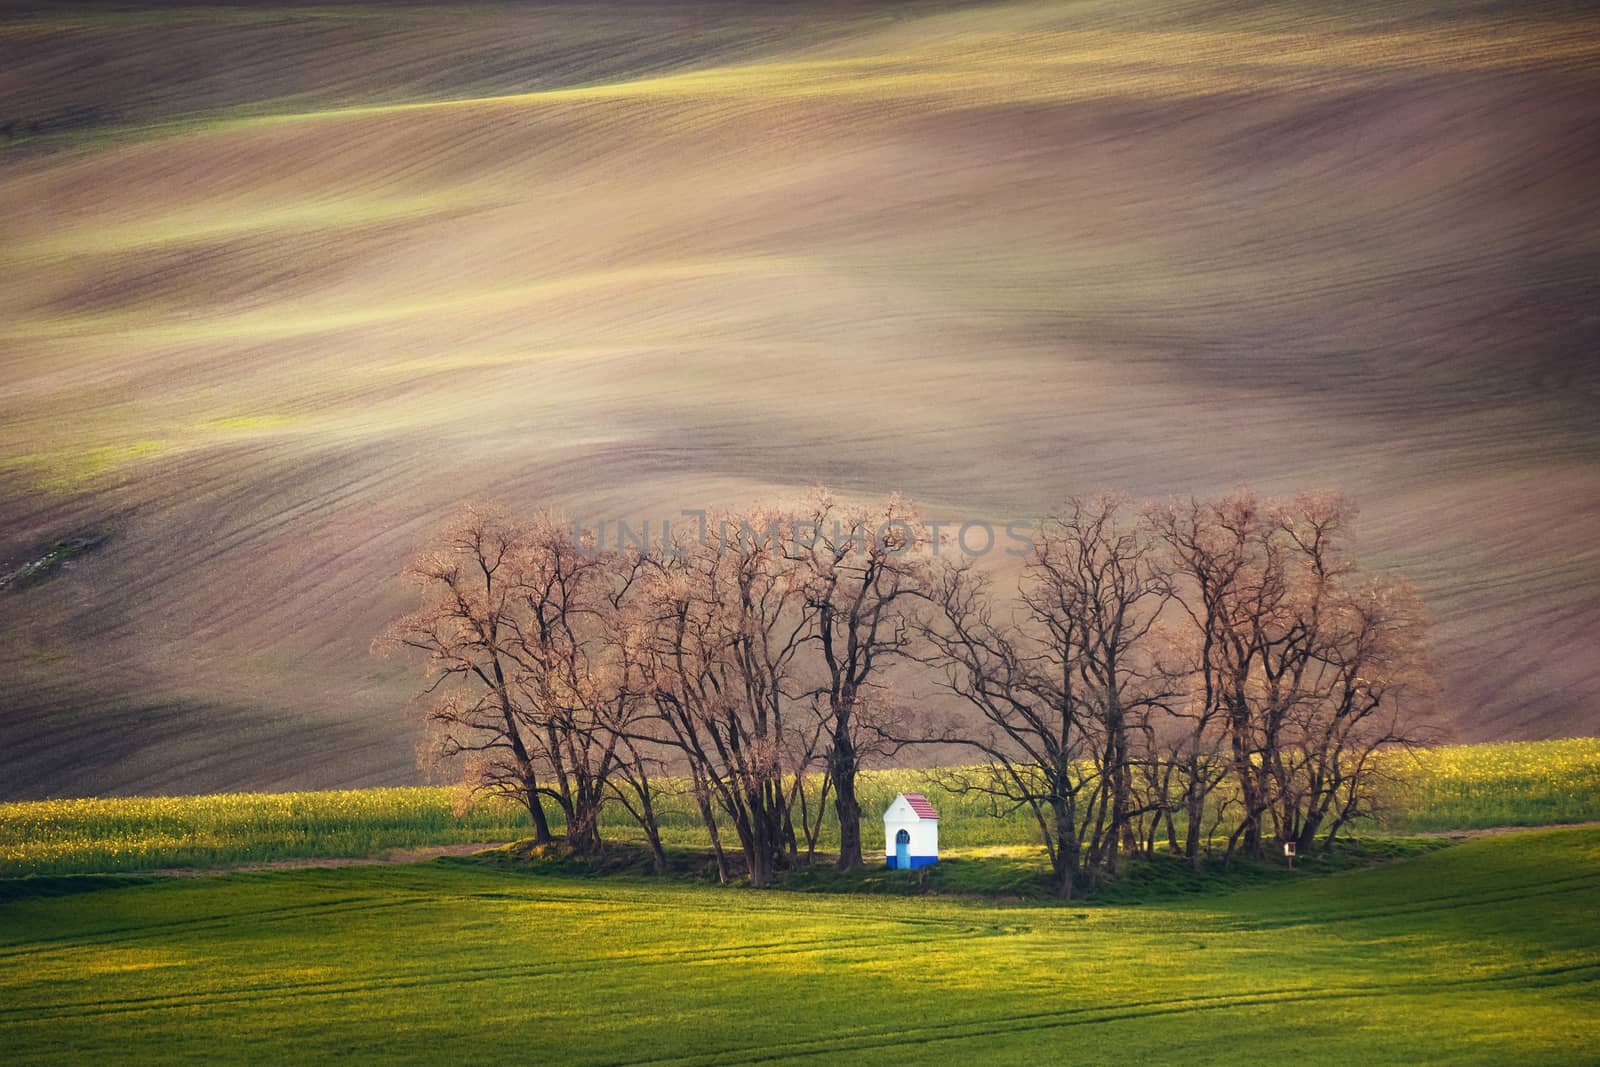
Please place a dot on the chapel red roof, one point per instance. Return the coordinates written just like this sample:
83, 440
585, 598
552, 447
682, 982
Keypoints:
920, 805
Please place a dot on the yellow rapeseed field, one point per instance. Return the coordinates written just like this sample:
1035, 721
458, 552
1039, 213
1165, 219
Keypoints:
1463, 787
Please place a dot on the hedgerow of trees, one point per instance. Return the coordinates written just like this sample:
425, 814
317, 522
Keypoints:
1200, 676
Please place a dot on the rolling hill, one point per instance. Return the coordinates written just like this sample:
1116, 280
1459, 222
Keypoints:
1481, 953
285, 285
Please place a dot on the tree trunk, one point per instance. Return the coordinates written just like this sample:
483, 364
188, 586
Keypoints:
1250, 793
710, 819
541, 825
530, 777
652, 829
1122, 835
842, 765
1194, 810
658, 855
760, 868
791, 841
583, 832
1067, 851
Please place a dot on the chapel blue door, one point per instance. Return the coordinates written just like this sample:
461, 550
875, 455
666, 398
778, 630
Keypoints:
902, 851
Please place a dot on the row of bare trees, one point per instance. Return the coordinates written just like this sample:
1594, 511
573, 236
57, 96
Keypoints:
569, 673
1202, 675
1185, 672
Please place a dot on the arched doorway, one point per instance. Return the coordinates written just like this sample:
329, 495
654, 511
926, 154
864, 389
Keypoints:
902, 850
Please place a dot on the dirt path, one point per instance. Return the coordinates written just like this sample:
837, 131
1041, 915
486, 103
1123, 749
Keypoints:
1492, 831
408, 855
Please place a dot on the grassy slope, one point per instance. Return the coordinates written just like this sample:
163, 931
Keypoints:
1486, 952
1454, 788
629, 258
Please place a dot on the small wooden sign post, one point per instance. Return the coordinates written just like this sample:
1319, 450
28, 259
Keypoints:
1288, 851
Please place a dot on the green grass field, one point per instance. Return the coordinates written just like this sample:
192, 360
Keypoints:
1483, 952
1458, 788
1394, 949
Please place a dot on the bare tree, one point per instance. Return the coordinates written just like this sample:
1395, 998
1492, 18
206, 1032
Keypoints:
578, 666
1034, 736
1368, 678
863, 570
1232, 579
532, 661
1298, 661
468, 585
635, 786
1064, 680
728, 622
1096, 586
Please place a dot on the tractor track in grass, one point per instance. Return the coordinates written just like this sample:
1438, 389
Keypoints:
533, 896
117, 935
344, 907
254, 964
1558, 887
1588, 972
995, 1026
761, 951
335, 987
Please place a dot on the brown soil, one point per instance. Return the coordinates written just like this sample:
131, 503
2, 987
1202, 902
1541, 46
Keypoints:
990, 255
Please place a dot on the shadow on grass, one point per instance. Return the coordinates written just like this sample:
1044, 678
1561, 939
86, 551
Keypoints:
1006, 874
34, 886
